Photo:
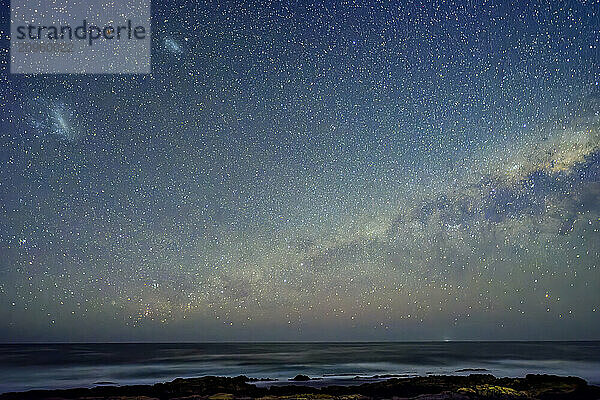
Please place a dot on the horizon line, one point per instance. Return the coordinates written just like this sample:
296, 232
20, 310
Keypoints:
310, 341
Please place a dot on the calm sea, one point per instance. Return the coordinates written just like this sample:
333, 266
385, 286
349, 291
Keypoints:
24, 367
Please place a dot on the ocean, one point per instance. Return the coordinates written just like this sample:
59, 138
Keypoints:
50, 366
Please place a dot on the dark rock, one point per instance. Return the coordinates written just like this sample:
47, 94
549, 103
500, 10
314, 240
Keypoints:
474, 386
300, 377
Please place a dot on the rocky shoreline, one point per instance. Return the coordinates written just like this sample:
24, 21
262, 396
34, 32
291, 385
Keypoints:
474, 386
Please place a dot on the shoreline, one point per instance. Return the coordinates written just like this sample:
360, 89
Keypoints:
433, 387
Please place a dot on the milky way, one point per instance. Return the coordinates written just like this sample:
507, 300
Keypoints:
349, 171
54, 118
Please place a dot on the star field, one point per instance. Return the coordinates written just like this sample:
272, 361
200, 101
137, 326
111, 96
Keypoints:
314, 171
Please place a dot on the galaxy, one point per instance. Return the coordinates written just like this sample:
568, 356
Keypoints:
298, 170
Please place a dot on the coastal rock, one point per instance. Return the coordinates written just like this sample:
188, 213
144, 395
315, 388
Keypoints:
300, 377
474, 386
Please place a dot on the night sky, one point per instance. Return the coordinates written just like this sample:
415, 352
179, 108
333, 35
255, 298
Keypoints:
312, 171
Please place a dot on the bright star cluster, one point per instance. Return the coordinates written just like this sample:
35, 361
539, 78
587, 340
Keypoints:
312, 171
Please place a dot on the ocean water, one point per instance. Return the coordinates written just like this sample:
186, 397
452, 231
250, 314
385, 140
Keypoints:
44, 366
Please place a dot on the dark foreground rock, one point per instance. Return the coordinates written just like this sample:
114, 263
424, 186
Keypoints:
475, 386
300, 378
303, 378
